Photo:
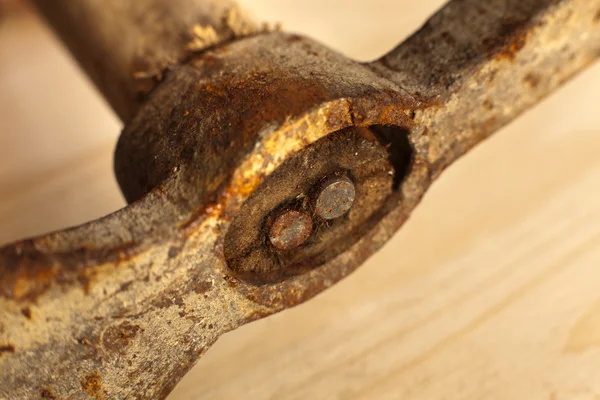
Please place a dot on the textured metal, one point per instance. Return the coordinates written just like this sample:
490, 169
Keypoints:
123, 306
335, 197
290, 230
127, 46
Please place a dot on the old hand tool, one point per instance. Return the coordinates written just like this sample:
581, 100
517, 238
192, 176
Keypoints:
260, 168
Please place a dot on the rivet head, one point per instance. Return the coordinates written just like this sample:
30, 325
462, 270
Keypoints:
290, 229
335, 197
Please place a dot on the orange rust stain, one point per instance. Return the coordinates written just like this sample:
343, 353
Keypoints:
216, 90
239, 188
33, 272
385, 114
28, 282
117, 337
247, 186
26, 311
84, 341
516, 37
531, 80
7, 348
93, 385
509, 52
338, 117
255, 315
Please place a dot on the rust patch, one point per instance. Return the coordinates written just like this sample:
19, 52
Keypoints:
47, 394
203, 287
515, 35
7, 348
26, 311
597, 17
27, 272
290, 230
532, 80
84, 341
117, 337
509, 52
93, 385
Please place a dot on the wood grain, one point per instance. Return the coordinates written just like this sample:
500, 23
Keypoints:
490, 291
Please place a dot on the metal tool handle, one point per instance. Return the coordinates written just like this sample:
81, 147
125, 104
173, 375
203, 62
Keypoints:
125, 47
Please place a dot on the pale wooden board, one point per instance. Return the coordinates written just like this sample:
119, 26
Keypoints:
490, 291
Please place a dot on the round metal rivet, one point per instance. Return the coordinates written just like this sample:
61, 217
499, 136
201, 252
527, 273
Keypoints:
290, 229
335, 198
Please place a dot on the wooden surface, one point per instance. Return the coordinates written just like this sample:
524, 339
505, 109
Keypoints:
490, 291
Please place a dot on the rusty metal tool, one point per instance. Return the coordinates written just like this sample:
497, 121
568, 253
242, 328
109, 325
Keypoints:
260, 168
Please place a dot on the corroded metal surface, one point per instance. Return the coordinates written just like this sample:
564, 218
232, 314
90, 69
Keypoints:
123, 306
290, 230
125, 47
335, 197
